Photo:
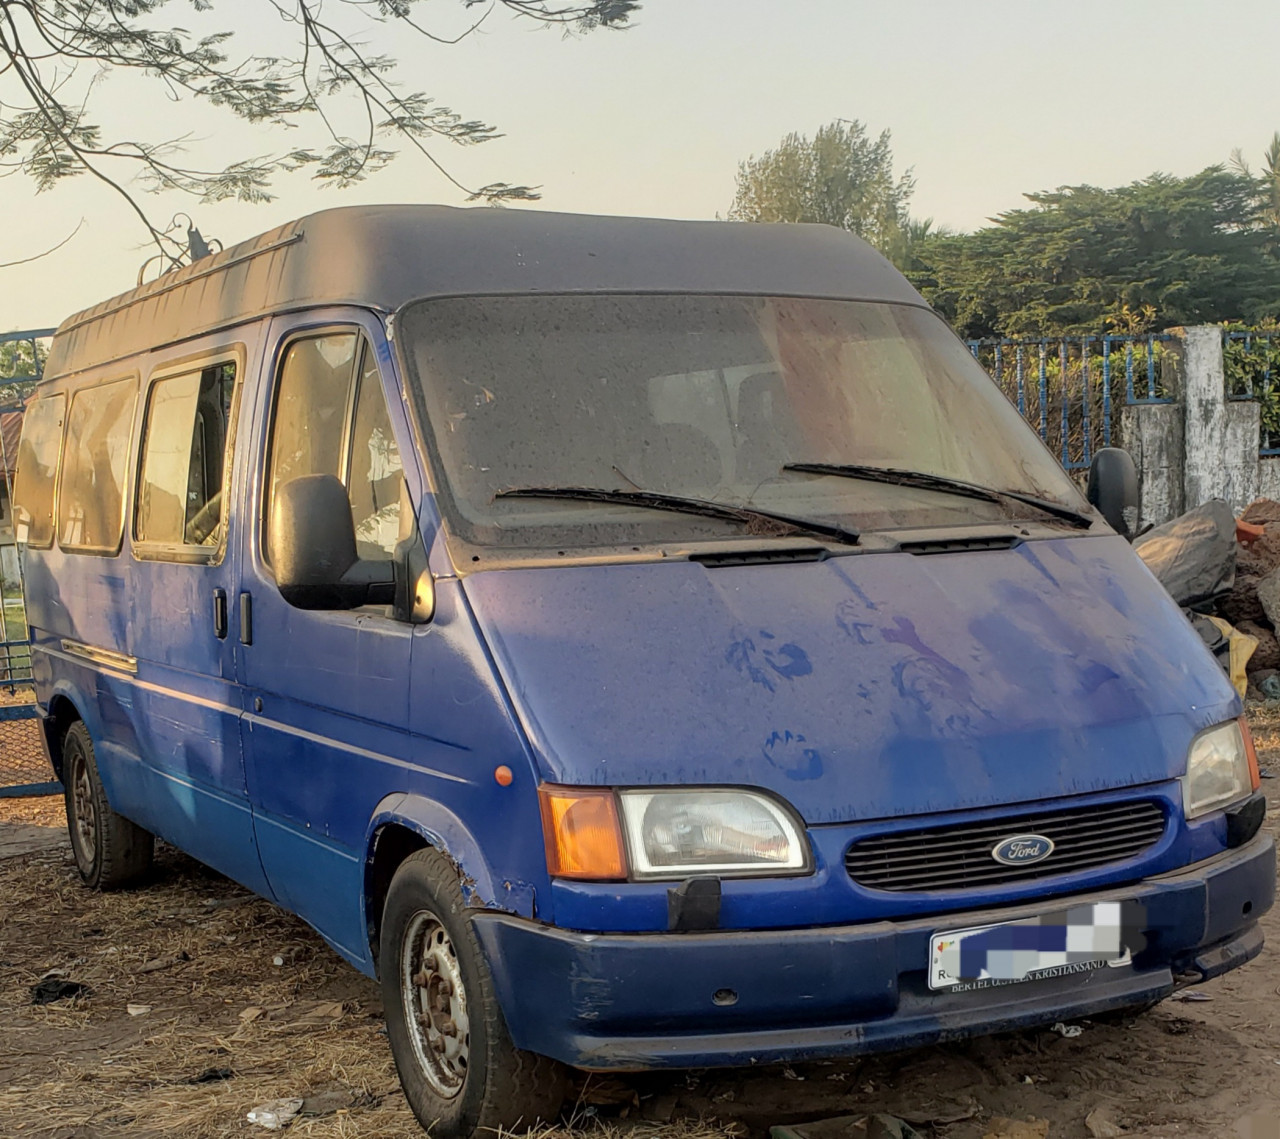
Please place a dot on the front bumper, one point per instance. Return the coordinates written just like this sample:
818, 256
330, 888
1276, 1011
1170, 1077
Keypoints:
662, 1000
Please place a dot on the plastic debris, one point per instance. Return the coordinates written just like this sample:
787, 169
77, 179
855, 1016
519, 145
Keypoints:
54, 989
137, 1010
277, 1114
277, 961
1190, 995
1070, 1031
1194, 556
790, 1074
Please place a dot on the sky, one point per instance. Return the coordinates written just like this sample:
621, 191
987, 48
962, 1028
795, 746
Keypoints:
985, 100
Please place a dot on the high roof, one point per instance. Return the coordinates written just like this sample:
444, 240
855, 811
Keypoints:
381, 257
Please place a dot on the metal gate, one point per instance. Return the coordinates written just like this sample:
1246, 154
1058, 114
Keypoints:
24, 766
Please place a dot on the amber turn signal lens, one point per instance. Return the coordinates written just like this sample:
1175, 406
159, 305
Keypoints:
1255, 777
582, 834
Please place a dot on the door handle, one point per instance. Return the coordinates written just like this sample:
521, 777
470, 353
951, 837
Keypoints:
246, 619
220, 614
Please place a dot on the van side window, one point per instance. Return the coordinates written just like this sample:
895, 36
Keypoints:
331, 418
92, 488
38, 455
181, 488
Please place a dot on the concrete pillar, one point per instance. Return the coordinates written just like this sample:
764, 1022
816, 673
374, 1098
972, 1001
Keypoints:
1153, 434
1220, 436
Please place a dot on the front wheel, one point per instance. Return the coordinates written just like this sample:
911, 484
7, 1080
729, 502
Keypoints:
110, 850
460, 1072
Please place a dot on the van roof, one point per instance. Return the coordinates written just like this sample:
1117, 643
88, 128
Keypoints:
382, 257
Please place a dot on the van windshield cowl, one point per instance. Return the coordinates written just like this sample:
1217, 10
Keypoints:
713, 398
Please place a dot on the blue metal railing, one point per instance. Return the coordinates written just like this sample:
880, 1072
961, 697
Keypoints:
23, 768
32, 336
1077, 384
1250, 358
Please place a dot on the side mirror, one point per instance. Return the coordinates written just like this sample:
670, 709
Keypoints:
1113, 489
313, 549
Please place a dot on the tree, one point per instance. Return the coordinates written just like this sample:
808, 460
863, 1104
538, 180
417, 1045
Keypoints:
1270, 179
54, 54
840, 177
1175, 250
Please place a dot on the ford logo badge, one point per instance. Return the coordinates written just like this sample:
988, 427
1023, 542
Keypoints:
1022, 849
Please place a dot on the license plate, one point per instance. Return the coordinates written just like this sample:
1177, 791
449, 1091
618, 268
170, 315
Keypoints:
1076, 940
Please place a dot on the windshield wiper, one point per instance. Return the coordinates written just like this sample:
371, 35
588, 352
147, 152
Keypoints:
680, 504
926, 481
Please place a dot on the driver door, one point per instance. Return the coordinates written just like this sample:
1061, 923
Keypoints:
326, 693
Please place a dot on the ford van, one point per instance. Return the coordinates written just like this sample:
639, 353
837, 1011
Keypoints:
639, 644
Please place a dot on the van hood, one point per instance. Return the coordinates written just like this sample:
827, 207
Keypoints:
858, 687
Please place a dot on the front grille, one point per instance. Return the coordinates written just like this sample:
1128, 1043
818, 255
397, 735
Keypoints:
959, 857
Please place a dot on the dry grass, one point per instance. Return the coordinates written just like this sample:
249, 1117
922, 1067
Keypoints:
86, 1069
200, 952
308, 1025
45, 811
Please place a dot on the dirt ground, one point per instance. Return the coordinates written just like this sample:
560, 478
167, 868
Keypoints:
203, 1002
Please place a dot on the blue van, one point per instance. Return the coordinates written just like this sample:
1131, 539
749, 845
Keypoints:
637, 643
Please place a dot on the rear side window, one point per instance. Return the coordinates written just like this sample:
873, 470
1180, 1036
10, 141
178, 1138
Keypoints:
184, 449
331, 418
91, 492
38, 468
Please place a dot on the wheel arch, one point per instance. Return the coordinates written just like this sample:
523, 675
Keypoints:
403, 824
61, 714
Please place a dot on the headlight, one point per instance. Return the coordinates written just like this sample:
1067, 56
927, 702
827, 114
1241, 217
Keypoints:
1220, 769
674, 833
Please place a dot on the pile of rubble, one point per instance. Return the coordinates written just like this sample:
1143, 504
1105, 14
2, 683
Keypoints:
1253, 603
1225, 573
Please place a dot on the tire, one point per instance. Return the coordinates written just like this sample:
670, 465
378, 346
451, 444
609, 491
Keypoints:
110, 851
460, 1072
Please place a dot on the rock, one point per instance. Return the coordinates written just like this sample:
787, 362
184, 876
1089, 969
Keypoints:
1241, 603
326, 1103
849, 1127
1268, 590
1266, 657
1269, 686
1262, 511
1101, 1125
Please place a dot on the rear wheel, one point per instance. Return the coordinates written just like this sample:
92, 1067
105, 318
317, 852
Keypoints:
460, 1072
110, 850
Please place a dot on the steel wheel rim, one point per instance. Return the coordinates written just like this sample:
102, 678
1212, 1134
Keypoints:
435, 1004
82, 806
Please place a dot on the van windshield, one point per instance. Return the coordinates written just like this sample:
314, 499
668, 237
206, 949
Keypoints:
710, 397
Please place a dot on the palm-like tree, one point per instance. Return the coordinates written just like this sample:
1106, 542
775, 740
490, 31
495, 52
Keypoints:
1270, 176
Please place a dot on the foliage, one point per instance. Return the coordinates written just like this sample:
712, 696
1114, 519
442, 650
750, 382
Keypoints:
55, 53
840, 177
1252, 367
1164, 250
17, 358
1269, 180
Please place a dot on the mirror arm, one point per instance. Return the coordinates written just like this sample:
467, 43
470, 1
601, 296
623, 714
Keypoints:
414, 586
